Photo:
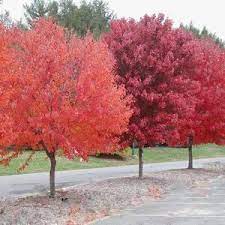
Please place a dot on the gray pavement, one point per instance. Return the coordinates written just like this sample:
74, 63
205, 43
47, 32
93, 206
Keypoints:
19, 185
202, 205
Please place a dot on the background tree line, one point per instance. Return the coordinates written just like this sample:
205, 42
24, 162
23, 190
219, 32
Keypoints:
89, 16
94, 16
204, 33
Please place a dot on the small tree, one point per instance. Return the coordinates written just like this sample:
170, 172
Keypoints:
63, 96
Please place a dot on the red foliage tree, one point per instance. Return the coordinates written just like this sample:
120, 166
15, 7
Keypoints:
206, 123
5, 68
210, 116
64, 95
157, 65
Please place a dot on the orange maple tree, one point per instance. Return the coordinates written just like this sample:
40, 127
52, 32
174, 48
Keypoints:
6, 68
64, 96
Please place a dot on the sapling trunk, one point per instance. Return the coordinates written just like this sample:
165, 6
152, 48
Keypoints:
140, 162
190, 155
133, 149
52, 159
52, 174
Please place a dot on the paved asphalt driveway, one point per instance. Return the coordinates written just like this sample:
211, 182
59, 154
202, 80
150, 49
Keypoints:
202, 205
32, 183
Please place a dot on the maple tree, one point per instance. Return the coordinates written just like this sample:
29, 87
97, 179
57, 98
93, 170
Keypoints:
64, 96
5, 69
205, 124
210, 120
157, 65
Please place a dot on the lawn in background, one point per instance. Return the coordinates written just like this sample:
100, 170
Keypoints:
151, 155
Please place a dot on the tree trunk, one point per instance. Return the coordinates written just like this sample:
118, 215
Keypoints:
133, 149
52, 174
140, 162
51, 156
190, 156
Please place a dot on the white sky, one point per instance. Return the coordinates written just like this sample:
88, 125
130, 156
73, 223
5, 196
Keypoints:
200, 12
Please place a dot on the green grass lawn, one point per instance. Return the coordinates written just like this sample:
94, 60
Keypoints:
151, 155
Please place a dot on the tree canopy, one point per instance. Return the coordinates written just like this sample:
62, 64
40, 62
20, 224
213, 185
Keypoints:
155, 63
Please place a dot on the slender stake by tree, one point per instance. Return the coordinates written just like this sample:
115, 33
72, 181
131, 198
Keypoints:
140, 153
190, 156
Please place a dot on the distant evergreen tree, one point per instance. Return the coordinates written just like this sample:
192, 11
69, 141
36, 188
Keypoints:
204, 33
40, 8
5, 17
94, 16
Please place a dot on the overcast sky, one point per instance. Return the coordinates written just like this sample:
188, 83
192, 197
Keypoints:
200, 12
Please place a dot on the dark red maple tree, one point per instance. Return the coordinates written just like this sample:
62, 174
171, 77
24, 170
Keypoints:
63, 96
156, 63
